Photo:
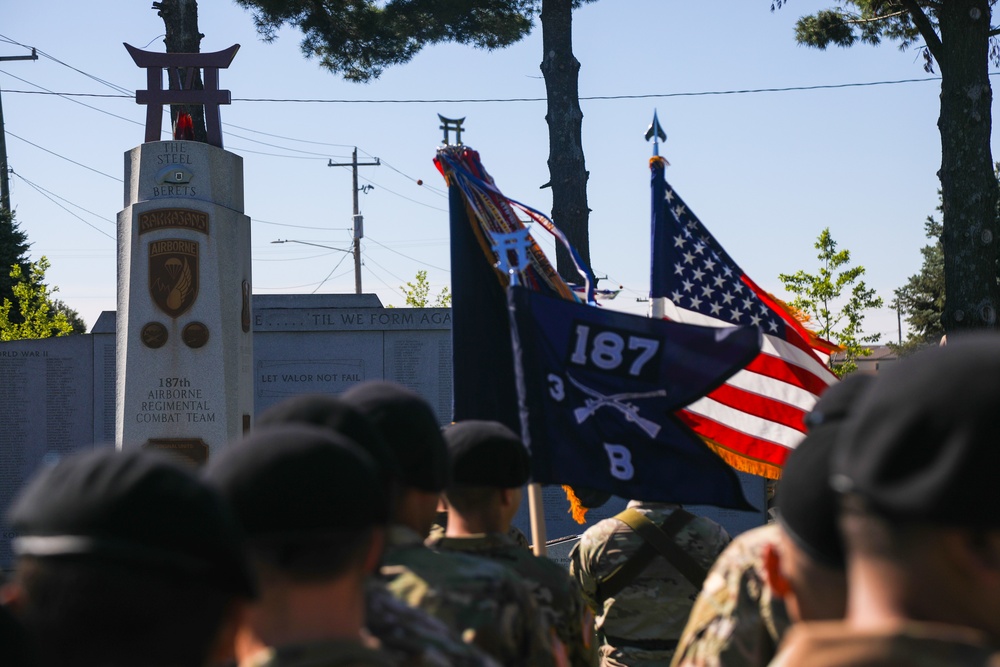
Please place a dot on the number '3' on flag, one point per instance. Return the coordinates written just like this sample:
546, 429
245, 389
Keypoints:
599, 388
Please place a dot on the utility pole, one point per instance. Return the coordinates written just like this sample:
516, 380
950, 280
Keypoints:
5, 177
359, 227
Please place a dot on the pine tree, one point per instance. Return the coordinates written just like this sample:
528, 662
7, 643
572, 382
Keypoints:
956, 37
922, 297
13, 252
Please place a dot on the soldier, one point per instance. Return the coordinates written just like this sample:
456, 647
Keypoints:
791, 568
489, 465
641, 597
126, 559
484, 601
440, 527
412, 636
314, 515
917, 474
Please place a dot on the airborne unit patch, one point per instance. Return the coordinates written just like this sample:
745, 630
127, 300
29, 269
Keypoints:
173, 275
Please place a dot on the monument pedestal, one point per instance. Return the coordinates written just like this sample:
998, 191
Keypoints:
184, 335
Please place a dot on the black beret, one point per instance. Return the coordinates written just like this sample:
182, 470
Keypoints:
136, 509
807, 505
339, 416
296, 481
924, 446
486, 453
410, 429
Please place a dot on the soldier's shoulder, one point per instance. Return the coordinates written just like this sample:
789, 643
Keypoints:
746, 550
451, 575
602, 532
414, 637
704, 539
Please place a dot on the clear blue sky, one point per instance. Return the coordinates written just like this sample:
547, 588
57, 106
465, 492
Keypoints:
766, 171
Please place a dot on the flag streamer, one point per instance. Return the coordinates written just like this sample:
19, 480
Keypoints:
461, 166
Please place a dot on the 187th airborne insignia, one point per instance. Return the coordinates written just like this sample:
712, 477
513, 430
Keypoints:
173, 275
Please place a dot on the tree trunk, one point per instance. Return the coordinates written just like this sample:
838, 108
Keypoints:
969, 189
180, 19
567, 170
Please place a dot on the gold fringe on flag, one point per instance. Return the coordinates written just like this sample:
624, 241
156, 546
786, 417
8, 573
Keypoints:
744, 463
576, 508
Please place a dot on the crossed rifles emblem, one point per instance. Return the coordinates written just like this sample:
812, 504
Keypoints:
619, 402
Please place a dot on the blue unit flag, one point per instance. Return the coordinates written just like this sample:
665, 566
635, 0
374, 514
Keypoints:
598, 390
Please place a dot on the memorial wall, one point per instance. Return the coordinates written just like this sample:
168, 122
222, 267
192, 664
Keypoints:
58, 394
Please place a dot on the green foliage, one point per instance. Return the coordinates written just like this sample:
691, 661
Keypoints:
959, 39
908, 22
922, 297
13, 250
418, 293
78, 324
835, 299
39, 317
869, 23
358, 39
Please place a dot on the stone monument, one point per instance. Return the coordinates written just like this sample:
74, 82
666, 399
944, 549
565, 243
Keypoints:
184, 335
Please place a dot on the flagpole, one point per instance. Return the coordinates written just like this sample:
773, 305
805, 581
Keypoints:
504, 245
657, 308
535, 500
535, 504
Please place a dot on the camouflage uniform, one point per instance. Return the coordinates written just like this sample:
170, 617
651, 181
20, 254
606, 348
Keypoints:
483, 601
736, 621
414, 638
641, 623
440, 525
832, 643
557, 594
337, 653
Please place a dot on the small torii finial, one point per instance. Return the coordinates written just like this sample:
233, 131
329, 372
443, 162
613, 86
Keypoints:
656, 133
450, 125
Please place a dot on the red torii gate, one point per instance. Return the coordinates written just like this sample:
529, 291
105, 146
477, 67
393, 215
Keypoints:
210, 97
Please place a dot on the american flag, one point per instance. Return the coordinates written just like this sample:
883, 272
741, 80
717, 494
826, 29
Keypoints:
755, 419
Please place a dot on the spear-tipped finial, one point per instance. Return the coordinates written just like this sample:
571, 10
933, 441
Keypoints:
656, 133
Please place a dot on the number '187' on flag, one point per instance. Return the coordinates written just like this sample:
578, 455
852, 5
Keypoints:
598, 390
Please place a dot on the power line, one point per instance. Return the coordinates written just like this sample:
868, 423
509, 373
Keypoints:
369, 269
42, 191
393, 192
70, 99
38, 187
582, 98
415, 180
414, 259
303, 141
56, 60
342, 258
286, 224
292, 259
63, 157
